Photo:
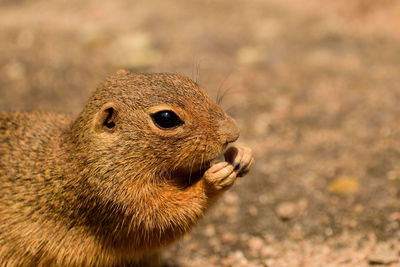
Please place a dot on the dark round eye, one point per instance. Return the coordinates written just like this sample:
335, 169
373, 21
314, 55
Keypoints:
166, 119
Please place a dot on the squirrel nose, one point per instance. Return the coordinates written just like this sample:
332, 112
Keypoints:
228, 130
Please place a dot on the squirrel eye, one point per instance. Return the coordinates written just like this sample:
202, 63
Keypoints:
166, 119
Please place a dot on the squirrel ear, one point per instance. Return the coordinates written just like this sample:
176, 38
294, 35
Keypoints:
106, 118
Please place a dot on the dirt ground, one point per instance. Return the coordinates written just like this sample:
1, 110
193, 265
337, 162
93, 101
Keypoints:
313, 84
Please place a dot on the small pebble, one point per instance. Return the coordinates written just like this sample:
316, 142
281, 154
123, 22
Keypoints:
382, 254
286, 210
256, 243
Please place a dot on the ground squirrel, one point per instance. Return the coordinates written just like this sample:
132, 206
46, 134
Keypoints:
110, 187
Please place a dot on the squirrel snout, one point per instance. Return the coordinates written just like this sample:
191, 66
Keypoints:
228, 130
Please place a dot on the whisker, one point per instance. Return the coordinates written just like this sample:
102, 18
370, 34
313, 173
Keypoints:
192, 74
191, 166
205, 150
202, 161
197, 71
219, 95
228, 110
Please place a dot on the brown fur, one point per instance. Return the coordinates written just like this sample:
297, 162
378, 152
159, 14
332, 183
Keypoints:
74, 193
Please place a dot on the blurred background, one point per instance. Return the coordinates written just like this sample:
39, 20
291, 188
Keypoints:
313, 84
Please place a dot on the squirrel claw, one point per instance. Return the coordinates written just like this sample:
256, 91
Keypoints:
241, 157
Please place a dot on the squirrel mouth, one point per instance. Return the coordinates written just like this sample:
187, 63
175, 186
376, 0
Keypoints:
192, 176
188, 177
204, 166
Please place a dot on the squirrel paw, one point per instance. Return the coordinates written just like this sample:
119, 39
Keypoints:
223, 174
241, 158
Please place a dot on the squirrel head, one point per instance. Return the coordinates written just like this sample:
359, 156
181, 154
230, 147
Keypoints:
158, 122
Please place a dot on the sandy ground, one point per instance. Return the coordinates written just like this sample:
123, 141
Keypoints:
314, 85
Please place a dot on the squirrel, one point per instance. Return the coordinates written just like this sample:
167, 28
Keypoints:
133, 172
